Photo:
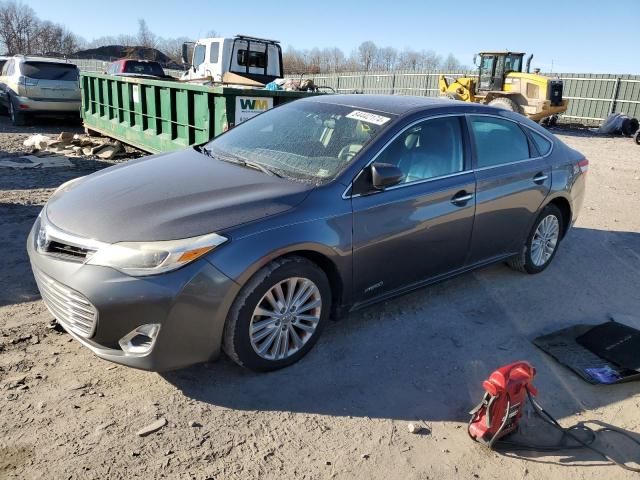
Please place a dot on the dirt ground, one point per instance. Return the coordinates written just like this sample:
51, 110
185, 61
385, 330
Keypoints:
342, 412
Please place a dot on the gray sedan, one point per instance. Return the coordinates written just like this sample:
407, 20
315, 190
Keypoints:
251, 243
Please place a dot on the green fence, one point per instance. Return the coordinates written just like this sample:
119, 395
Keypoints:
592, 97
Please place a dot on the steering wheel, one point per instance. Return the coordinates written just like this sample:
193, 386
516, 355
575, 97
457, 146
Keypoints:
347, 152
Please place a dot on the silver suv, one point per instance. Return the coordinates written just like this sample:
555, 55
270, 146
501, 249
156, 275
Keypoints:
30, 85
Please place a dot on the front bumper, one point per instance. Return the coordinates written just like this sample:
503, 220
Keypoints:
190, 304
42, 105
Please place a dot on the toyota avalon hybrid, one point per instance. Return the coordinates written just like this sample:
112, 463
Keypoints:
251, 243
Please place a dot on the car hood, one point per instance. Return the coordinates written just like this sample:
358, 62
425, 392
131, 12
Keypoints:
170, 196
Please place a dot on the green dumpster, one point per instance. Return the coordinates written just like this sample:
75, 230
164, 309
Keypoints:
160, 116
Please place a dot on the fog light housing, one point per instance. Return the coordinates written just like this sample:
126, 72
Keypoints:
141, 340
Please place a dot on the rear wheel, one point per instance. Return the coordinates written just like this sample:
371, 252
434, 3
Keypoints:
278, 315
636, 137
505, 103
541, 244
17, 118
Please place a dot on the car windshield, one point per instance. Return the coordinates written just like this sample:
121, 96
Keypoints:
50, 71
303, 140
143, 68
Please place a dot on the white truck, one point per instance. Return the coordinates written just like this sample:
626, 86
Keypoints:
252, 58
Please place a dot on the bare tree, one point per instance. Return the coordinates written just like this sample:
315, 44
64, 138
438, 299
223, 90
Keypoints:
294, 61
367, 52
172, 47
387, 58
451, 63
335, 59
22, 32
146, 38
19, 27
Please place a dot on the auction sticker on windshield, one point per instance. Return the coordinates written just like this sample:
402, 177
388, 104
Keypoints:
249, 107
368, 117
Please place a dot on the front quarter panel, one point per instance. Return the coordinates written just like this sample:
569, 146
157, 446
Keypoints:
322, 224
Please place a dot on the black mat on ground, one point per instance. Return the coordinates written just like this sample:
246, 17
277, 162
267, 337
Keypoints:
615, 342
563, 345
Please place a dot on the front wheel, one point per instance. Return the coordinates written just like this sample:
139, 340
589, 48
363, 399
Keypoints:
278, 315
541, 244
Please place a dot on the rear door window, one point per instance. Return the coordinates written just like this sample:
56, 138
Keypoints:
215, 52
498, 141
543, 145
50, 71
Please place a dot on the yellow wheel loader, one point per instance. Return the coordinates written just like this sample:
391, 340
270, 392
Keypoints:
502, 83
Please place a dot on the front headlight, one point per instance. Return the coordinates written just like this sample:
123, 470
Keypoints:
150, 258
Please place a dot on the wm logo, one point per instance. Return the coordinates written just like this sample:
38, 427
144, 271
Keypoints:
253, 104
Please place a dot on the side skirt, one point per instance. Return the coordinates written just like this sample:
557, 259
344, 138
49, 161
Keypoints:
423, 283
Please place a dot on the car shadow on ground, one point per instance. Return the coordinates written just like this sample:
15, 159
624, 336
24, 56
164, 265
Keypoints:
424, 355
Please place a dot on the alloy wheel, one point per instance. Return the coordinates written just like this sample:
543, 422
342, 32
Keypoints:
545, 240
285, 318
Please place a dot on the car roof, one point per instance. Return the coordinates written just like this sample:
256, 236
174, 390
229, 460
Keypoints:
395, 104
29, 58
141, 60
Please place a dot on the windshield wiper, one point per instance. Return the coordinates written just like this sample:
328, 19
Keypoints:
239, 161
262, 168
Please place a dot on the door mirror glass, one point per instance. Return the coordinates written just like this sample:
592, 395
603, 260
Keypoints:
385, 175
476, 60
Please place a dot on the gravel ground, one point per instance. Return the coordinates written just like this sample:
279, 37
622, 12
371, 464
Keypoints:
343, 411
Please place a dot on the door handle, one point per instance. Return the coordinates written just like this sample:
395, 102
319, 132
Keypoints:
539, 178
461, 198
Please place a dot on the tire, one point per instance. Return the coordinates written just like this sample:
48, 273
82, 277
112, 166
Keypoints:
527, 261
238, 342
18, 119
505, 103
636, 137
551, 121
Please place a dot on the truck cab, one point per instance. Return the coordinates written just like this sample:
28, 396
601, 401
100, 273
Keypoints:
258, 59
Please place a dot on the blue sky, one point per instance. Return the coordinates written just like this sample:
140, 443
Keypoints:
574, 35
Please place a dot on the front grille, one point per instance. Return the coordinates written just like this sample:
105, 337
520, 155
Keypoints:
69, 307
67, 252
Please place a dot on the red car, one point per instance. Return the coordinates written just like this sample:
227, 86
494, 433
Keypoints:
136, 68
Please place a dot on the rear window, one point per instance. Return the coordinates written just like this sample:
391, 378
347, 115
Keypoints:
255, 59
143, 68
2, 62
50, 71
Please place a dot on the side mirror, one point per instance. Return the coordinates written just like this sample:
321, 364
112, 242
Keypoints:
385, 175
185, 53
477, 61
